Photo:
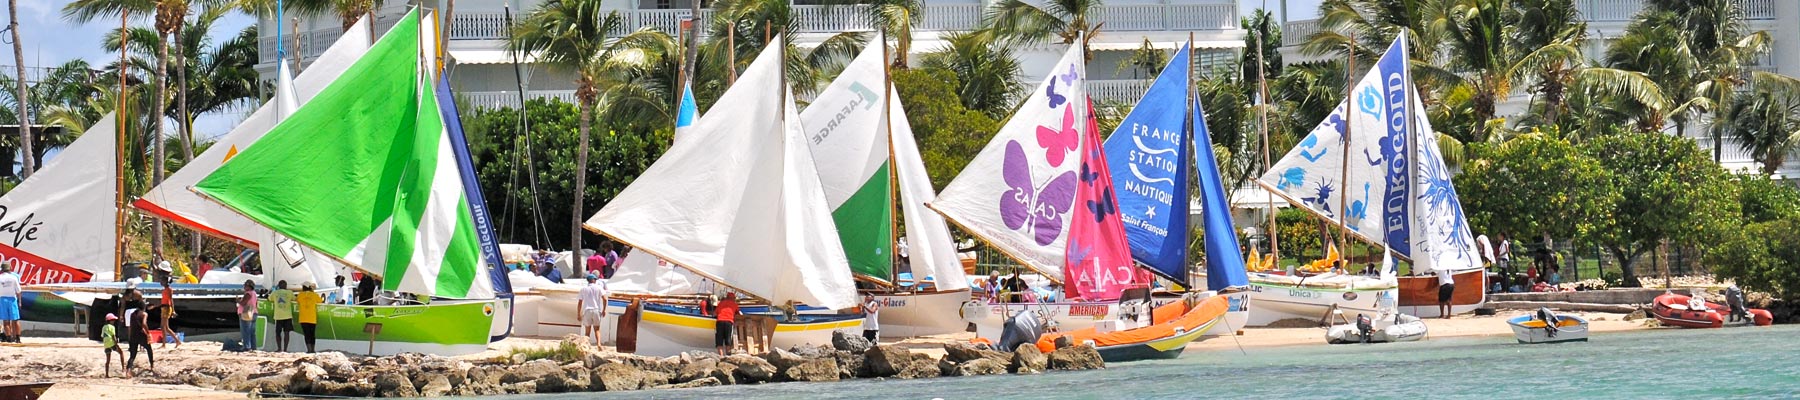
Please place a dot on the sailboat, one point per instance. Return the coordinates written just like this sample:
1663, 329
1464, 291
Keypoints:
864, 145
379, 145
1393, 168
737, 200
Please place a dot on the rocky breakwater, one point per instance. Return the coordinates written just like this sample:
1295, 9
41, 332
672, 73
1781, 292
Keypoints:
591, 370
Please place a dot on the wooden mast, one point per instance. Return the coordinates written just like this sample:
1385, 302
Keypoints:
1344, 171
1262, 111
887, 128
119, 120
1187, 277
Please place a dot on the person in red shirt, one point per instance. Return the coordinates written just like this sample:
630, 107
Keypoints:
596, 264
724, 314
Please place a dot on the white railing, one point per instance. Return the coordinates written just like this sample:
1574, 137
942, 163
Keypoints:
1127, 91
307, 44
1296, 32
1625, 10
850, 18
492, 100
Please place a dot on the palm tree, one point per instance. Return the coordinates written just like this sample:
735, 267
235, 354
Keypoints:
988, 72
1766, 122
1654, 46
742, 29
1017, 21
896, 17
347, 11
23, 99
571, 35
1715, 33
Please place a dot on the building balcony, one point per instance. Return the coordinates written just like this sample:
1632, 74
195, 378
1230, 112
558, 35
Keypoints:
499, 99
1295, 33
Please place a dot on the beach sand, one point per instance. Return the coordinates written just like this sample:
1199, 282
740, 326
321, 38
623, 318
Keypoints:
75, 364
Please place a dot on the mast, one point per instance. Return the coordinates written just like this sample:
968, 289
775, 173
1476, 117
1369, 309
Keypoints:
681, 75
525, 130
1187, 278
1262, 89
1344, 168
119, 119
731, 57
887, 128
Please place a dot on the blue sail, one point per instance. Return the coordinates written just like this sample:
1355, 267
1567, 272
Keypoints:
1224, 261
1147, 156
484, 224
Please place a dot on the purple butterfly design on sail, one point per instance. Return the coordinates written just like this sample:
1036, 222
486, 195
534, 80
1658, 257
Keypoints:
1056, 100
1071, 76
1057, 143
1025, 204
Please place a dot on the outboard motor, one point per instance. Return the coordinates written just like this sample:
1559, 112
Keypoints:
1550, 320
1735, 298
1364, 327
1022, 328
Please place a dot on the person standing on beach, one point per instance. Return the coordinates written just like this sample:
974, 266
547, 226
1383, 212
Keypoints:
308, 300
109, 342
591, 305
246, 310
282, 306
9, 304
871, 318
1446, 290
137, 326
724, 315
168, 315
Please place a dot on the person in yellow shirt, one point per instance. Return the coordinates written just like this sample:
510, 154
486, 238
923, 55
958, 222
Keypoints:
308, 302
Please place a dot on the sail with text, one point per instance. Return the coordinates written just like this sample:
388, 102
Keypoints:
1018, 193
1098, 265
58, 225
848, 137
738, 200
373, 145
1148, 155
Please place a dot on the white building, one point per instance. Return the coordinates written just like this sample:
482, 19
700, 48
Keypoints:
484, 71
1607, 20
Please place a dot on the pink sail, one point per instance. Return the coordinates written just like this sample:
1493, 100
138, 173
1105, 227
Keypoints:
1098, 264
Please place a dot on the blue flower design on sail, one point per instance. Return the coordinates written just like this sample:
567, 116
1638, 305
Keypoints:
1440, 196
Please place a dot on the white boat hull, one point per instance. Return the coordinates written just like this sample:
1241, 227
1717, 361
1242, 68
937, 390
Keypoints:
1405, 328
921, 314
1279, 302
990, 318
1532, 335
662, 334
1236, 315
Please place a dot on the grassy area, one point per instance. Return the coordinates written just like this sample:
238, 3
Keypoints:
562, 353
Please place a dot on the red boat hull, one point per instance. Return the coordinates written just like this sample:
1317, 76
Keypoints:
1671, 309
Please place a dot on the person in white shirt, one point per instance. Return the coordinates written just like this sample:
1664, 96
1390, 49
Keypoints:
344, 294
9, 303
591, 304
1446, 290
1485, 248
871, 318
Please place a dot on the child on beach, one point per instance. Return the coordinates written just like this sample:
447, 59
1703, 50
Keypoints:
109, 342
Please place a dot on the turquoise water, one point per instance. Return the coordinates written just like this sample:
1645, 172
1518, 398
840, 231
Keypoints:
1670, 363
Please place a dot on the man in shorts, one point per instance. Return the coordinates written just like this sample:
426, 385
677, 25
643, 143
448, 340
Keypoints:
724, 315
9, 303
281, 307
592, 307
1446, 290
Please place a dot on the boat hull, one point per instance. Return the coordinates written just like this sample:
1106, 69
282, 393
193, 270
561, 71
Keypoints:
1400, 328
990, 318
1163, 340
1531, 331
1275, 302
445, 327
201, 308
1418, 294
1671, 309
921, 313
666, 330
1237, 314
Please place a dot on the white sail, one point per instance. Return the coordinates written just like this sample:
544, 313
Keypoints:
738, 200
1312, 174
173, 201
642, 273
59, 224
1019, 192
1441, 240
929, 247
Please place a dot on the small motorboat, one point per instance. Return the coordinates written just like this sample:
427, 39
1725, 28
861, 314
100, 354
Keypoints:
1677, 310
1547, 327
1386, 328
1172, 327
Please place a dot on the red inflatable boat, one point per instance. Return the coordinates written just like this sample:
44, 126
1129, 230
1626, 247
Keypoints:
1674, 310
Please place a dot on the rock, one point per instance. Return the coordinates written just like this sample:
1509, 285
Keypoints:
702, 382
921, 366
850, 342
884, 361
667, 365
1635, 315
1028, 360
344, 389
1076, 358
946, 367
530, 371
518, 359
751, 369
812, 351
706, 368
851, 365
489, 376
435, 386
979, 366
393, 385
656, 378
616, 377
305, 375
783, 359
201, 380
520, 388
570, 378
336, 364
964, 352
815, 370
696, 355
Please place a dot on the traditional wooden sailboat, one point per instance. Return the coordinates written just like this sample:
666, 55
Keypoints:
417, 226
1400, 196
864, 147
737, 200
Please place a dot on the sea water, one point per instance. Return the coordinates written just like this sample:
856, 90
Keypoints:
1762, 362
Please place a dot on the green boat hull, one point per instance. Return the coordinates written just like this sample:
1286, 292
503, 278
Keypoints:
441, 328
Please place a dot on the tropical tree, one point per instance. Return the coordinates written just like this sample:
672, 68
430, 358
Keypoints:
988, 76
69, 84
24, 99
571, 35
1517, 183
1261, 25
739, 30
1766, 122
1364, 28
1714, 32
1018, 21
1668, 190
347, 11
896, 17
1145, 62
1655, 45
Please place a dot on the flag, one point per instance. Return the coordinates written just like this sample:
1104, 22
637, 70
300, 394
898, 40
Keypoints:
1098, 264
1148, 154
687, 111
365, 173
